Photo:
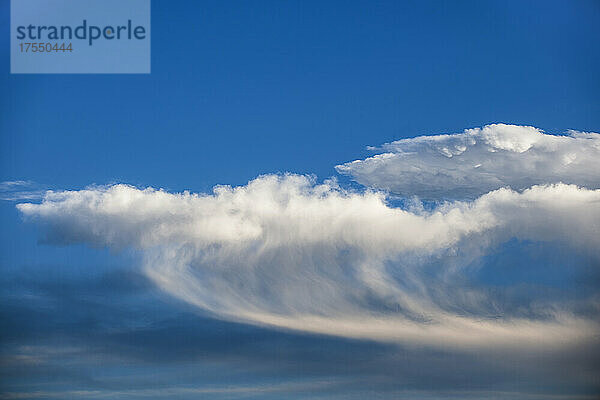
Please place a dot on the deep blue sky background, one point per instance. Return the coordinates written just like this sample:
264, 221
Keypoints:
243, 89
239, 89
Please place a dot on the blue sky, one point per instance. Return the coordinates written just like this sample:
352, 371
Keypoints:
243, 89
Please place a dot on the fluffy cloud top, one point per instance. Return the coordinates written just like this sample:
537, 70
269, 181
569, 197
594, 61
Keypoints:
286, 252
472, 163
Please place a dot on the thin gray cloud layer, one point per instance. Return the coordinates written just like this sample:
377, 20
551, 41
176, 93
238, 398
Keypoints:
469, 164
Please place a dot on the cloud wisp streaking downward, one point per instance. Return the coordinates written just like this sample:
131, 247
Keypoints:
469, 164
283, 251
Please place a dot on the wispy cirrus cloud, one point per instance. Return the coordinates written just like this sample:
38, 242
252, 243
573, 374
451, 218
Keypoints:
21, 190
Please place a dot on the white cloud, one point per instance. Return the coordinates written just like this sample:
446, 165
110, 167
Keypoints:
472, 163
20, 191
283, 251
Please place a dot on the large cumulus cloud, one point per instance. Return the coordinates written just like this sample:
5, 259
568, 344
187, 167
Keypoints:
284, 251
472, 163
